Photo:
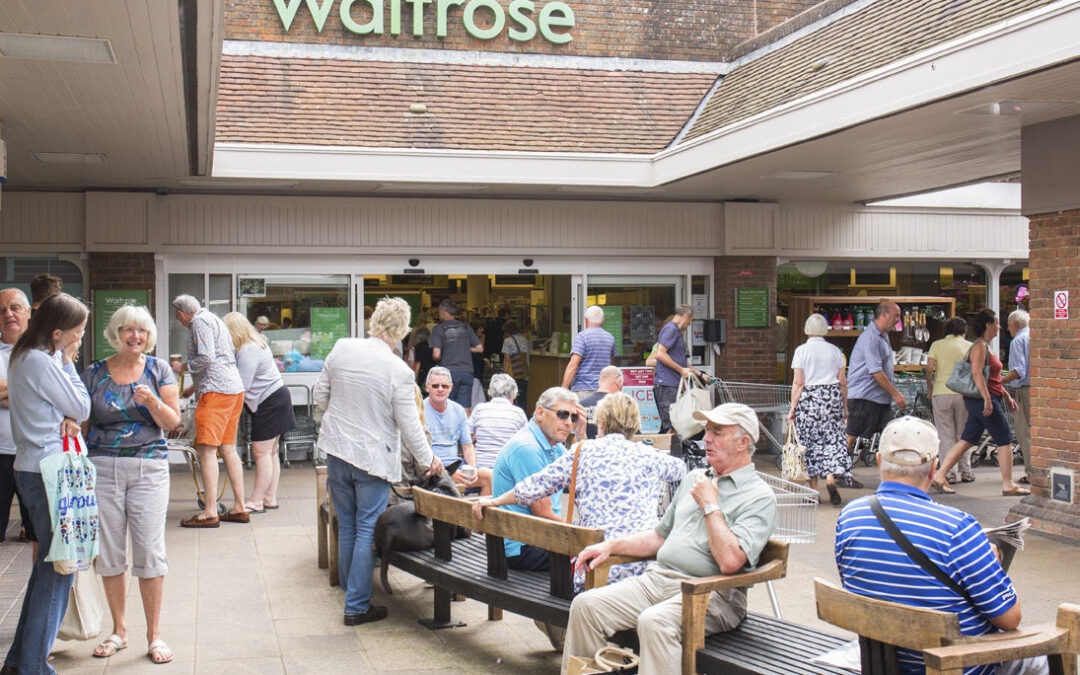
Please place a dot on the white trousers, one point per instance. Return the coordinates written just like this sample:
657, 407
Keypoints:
652, 604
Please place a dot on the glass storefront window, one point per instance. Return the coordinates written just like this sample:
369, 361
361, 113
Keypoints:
634, 312
1013, 295
306, 314
181, 284
18, 271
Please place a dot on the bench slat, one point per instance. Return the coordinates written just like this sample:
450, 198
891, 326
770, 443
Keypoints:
765, 645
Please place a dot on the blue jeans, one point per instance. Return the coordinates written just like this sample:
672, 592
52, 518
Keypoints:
47, 592
462, 391
664, 396
359, 499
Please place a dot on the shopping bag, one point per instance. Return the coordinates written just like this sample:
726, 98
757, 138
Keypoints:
692, 397
69, 479
606, 660
794, 458
87, 607
961, 380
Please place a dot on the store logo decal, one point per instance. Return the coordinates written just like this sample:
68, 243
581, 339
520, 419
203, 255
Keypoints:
552, 16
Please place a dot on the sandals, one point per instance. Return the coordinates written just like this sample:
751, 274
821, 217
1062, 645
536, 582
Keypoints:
1015, 491
159, 652
250, 508
834, 494
235, 517
199, 520
942, 487
267, 506
110, 646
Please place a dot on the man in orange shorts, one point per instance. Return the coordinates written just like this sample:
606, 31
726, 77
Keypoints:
220, 394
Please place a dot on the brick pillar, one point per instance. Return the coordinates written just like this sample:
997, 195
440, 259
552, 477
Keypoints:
1055, 379
750, 353
120, 271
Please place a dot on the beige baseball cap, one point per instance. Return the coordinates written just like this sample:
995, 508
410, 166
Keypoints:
909, 441
736, 414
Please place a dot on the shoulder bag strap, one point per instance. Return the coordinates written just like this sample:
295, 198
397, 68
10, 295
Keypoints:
573, 482
917, 556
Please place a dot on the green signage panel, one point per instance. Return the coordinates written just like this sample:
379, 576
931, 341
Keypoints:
413, 299
613, 324
328, 324
751, 307
105, 305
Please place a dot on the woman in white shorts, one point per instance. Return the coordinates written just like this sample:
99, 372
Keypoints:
133, 398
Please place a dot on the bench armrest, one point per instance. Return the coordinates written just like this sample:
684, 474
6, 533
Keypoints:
997, 647
774, 569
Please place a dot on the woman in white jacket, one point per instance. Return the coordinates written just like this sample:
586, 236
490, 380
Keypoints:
368, 394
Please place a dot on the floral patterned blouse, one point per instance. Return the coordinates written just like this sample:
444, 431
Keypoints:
618, 489
120, 427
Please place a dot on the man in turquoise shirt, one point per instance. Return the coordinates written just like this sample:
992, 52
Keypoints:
532, 448
718, 523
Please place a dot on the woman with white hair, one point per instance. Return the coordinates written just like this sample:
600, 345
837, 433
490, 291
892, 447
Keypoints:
133, 401
371, 414
617, 484
819, 405
494, 423
269, 403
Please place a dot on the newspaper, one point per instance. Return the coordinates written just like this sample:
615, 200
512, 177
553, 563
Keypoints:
1009, 538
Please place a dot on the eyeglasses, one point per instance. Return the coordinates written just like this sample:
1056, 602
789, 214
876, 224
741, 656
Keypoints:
134, 329
563, 414
439, 386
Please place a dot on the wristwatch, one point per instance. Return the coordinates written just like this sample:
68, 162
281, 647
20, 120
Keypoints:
710, 509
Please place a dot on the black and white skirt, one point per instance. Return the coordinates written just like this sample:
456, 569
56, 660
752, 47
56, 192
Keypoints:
819, 423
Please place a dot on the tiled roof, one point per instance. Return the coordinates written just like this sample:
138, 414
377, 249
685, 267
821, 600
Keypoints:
883, 32
366, 104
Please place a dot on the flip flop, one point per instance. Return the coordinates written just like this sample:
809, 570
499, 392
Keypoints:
159, 652
250, 508
1015, 491
110, 646
267, 506
942, 488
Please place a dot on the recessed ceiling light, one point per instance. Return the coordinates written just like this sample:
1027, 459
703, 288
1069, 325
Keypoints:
797, 175
209, 181
69, 157
56, 48
1014, 108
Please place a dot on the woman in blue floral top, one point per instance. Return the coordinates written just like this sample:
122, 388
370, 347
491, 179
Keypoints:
618, 480
133, 399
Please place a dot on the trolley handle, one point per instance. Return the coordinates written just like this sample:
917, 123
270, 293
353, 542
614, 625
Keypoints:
308, 393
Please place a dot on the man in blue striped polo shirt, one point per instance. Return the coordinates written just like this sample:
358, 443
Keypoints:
871, 563
593, 350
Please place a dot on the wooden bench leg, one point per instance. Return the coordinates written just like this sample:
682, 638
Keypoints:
323, 539
442, 612
332, 554
494, 613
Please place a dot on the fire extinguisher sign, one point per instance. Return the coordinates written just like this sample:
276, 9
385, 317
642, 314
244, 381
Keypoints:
1061, 304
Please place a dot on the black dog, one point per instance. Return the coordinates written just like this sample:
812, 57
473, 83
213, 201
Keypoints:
400, 528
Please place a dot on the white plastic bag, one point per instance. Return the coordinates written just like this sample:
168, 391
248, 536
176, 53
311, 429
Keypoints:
692, 397
87, 607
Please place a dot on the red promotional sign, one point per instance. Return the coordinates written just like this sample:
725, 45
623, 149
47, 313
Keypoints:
1061, 304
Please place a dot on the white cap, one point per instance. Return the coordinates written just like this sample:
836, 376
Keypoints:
909, 441
728, 414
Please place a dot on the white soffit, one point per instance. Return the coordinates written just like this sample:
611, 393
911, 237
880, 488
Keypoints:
998, 196
1011, 48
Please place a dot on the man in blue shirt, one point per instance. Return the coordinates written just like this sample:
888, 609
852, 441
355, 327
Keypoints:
870, 377
447, 422
871, 563
537, 444
671, 364
1019, 379
592, 351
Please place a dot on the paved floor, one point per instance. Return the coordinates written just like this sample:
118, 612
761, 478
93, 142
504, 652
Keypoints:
250, 599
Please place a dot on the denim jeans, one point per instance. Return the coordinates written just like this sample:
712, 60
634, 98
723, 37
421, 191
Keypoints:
359, 499
664, 396
47, 592
462, 391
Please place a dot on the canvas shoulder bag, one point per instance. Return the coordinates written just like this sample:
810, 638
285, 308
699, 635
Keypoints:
691, 398
961, 380
794, 457
518, 365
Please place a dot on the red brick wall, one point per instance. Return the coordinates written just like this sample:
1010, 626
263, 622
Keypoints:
120, 271
1055, 379
750, 353
665, 29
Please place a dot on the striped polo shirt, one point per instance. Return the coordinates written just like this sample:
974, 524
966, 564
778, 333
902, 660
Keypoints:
596, 347
872, 564
493, 424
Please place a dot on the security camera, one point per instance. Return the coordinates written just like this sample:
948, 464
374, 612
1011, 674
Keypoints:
161, 192
527, 262
414, 262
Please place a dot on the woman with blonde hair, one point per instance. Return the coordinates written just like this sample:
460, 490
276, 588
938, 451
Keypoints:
616, 479
134, 400
819, 406
269, 404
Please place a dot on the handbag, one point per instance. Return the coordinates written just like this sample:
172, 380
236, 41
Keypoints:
692, 397
573, 482
86, 608
961, 380
794, 457
69, 479
518, 368
606, 660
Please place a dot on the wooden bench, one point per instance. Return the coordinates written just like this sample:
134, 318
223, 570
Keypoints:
327, 531
884, 626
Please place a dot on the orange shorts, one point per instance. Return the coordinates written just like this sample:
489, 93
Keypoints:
216, 418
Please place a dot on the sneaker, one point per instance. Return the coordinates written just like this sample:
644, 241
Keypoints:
374, 613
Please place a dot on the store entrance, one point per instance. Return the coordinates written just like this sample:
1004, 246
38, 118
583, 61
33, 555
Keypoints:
539, 307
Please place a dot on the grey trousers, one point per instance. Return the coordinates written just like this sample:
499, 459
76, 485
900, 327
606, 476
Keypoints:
1022, 418
950, 416
651, 603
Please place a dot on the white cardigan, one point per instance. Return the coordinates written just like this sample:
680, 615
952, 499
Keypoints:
367, 393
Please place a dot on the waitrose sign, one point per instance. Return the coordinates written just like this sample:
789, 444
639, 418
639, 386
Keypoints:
520, 18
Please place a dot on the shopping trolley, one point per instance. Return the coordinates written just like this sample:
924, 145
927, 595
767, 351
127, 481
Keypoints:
987, 449
181, 438
306, 432
764, 399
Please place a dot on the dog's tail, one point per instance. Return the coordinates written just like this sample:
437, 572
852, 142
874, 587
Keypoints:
385, 551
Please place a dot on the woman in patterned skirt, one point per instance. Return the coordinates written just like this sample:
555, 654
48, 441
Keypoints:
818, 405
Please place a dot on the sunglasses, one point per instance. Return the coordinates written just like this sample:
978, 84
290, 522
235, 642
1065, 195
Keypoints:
439, 386
563, 414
